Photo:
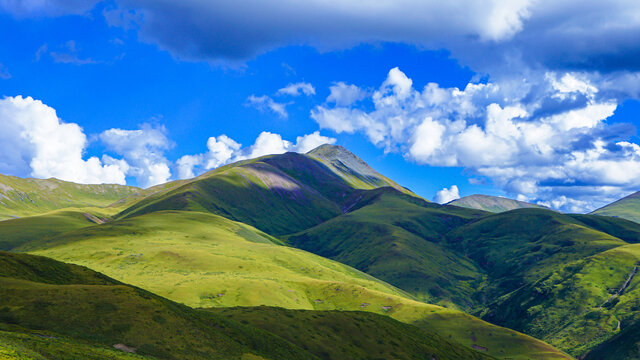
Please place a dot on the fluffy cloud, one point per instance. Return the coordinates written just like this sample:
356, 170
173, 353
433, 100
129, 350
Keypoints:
447, 195
345, 95
297, 89
143, 150
35, 142
265, 102
545, 139
223, 150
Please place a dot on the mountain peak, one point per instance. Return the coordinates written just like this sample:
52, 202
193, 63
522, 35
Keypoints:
490, 203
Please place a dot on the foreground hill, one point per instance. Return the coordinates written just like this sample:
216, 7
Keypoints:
54, 310
20, 197
489, 203
205, 260
626, 208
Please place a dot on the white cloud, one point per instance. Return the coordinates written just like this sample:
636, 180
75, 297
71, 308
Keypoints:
447, 195
143, 149
345, 95
223, 150
541, 138
265, 102
297, 89
35, 142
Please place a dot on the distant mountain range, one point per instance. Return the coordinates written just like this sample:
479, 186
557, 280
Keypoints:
280, 256
489, 203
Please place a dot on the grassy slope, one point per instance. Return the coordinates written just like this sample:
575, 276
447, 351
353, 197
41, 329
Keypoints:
23, 197
57, 299
15, 232
54, 310
195, 257
626, 208
393, 237
550, 273
489, 203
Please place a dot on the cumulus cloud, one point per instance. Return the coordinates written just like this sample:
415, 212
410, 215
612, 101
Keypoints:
447, 195
345, 95
35, 142
223, 150
264, 103
546, 139
297, 89
143, 150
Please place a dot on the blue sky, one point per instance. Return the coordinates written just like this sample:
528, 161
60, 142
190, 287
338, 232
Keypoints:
499, 99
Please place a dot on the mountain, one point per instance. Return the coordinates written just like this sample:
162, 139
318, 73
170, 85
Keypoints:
553, 275
205, 260
489, 203
21, 197
627, 208
50, 309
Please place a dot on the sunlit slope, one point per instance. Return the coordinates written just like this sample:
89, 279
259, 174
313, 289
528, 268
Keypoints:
62, 301
551, 273
15, 232
279, 194
626, 208
21, 197
590, 301
206, 260
489, 203
396, 237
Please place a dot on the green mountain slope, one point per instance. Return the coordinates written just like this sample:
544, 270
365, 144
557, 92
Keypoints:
205, 260
394, 237
54, 310
21, 197
278, 194
489, 203
627, 208
550, 274
15, 232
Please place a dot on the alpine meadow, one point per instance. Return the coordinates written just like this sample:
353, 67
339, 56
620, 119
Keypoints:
319, 180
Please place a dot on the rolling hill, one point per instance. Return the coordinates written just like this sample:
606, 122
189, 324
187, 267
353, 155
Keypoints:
489, 203
50, 309
21, 197
205, 260
627, 208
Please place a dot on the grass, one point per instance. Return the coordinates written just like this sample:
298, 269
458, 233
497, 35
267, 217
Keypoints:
393, 237
626, 208
15, 232
23, 197
495, 204
205, 260
52, 310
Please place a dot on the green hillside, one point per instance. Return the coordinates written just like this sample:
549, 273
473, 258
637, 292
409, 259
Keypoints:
21, 197
551, 274
54, 310
394, 237
489, 203
278, 194
205, 260
627, 208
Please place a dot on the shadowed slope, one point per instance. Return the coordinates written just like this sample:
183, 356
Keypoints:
395, 237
